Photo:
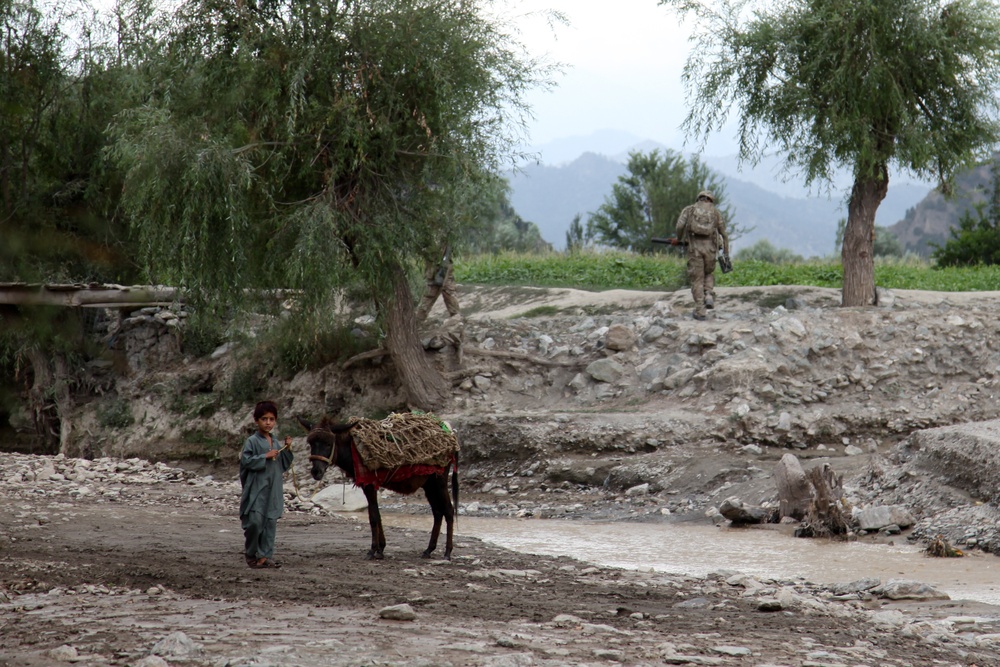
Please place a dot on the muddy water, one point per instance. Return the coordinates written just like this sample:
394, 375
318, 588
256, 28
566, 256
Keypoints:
698, 550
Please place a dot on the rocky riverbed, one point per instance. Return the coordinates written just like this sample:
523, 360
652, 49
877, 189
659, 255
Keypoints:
123, 562
568, 404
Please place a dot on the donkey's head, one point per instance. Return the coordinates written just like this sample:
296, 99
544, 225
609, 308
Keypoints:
329, 444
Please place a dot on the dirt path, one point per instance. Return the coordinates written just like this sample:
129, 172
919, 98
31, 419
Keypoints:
102, 571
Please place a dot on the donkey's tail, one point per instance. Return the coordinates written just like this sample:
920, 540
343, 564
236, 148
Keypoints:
454, 484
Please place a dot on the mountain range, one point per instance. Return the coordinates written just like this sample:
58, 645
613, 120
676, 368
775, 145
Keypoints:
573, 176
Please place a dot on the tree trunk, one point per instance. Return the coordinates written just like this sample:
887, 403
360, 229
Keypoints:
425, 386
857, 253
50, 399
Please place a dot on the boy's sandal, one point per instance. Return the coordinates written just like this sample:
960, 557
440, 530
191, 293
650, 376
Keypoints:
267, 562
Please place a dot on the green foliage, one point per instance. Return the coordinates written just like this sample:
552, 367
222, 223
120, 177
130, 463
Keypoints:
202, 334
494, 226
848, 82
114, 413
646, 201
764, 251
306, 145
57, 96
246, 382
312, 341
576, 236
976, 240
586, 269
617, 270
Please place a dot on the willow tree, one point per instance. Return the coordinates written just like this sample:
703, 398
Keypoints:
305, 144
865, 85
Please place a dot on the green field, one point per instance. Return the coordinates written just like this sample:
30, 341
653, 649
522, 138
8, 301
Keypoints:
622, 270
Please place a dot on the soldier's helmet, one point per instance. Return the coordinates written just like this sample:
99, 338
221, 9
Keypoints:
707, 194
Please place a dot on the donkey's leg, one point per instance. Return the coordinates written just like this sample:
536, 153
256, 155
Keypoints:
449, 517
433, 491
436, 490
375, 521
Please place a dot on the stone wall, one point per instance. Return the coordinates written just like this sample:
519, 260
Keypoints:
150, 336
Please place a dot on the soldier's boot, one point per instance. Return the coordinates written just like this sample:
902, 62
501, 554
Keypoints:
699, 311
710, 301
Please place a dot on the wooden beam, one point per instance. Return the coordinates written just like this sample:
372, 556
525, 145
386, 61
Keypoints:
86, 296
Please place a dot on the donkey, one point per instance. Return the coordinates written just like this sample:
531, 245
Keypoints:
331, 443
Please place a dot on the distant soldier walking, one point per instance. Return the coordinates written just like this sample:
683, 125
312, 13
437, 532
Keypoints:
701, 226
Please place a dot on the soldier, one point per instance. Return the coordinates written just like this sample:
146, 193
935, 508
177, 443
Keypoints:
701, 226
439, 273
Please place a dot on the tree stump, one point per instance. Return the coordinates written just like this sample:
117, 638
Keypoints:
794, 490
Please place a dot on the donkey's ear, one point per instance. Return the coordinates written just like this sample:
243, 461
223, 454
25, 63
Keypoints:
304, 423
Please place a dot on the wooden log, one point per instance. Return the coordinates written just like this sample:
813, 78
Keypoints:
86, 296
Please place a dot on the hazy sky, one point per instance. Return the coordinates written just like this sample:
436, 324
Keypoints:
623, 60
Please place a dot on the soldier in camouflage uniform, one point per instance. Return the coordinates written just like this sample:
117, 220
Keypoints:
701, 226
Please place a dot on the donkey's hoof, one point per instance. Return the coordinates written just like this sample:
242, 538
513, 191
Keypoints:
374, 555
426, 554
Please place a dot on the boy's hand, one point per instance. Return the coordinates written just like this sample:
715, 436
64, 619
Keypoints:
272, 454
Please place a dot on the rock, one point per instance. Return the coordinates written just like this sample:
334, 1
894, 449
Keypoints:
877, 518
614, 655
605, 370
176, 646
152, 661
64, 653
638, 490
619, 338
341, 498
901, 589
739, 512
769, 604
398, 612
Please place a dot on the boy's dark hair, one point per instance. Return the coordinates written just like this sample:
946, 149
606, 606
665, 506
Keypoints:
263, 408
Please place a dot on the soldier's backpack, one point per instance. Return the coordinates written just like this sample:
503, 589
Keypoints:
702, 221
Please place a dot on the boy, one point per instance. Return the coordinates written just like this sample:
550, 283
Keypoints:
262, 502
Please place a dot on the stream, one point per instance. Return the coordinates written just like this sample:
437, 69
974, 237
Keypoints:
697, 550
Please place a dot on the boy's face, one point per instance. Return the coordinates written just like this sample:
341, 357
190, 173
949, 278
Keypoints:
266, 422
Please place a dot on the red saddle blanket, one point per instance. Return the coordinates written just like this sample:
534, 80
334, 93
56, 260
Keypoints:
382, 476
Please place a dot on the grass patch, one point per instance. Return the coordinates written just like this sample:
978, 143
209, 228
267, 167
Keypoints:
597, 271
115, 413
208, 444
540, 311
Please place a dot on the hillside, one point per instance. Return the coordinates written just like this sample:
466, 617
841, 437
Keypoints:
931, 219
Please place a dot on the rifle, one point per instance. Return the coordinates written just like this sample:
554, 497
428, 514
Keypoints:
725, 263
442, 268
671, 240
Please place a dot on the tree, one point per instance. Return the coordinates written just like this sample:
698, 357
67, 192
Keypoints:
307, 145
849, 83
576, 236
976, 240
57, 97
886, 243
646, 201
765, 251
495, 226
